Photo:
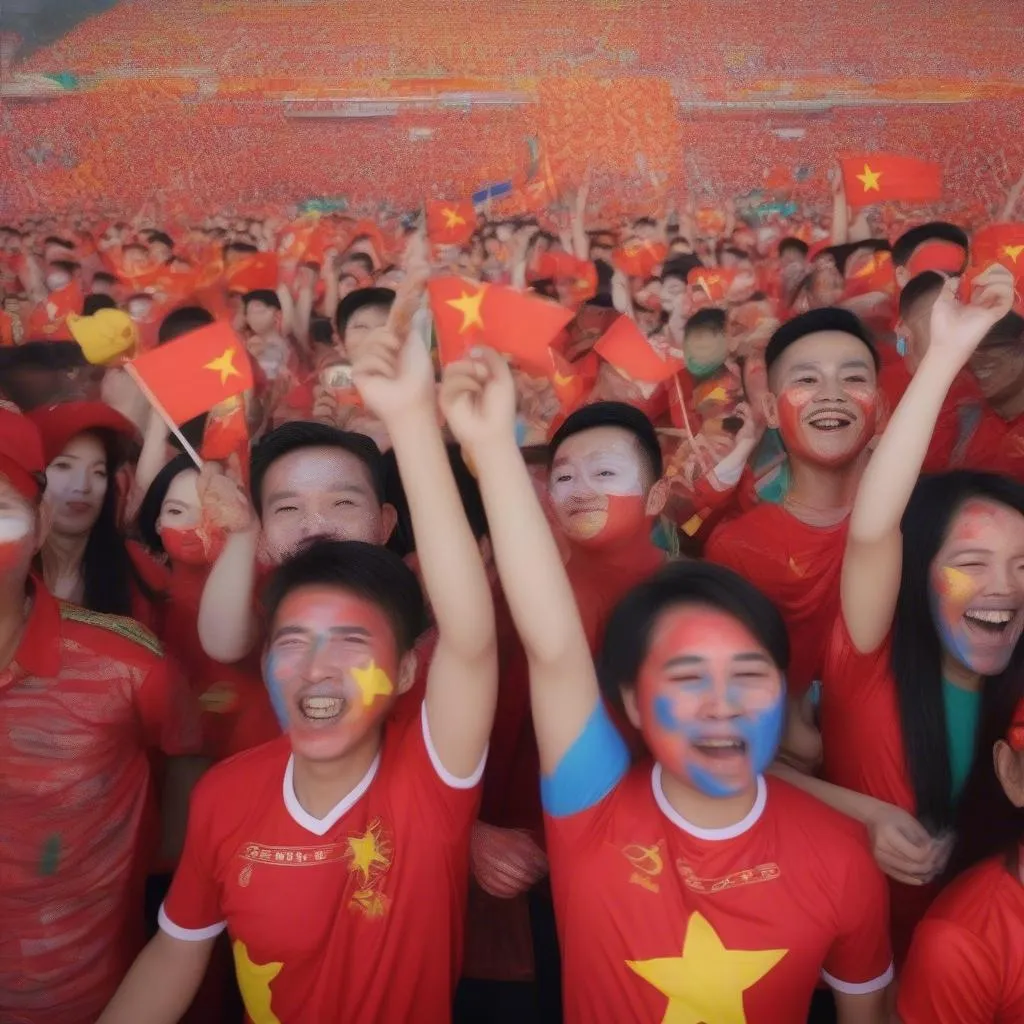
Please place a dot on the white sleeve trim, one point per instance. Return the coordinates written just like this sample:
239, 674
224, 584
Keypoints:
452, 781
188, 934
862, 988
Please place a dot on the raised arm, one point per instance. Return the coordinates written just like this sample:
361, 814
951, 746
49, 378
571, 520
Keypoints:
395, 378
873, 560
478, 398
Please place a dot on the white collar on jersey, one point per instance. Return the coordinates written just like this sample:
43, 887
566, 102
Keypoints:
715, 834
321, 826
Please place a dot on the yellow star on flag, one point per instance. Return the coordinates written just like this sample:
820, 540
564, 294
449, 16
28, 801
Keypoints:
561, 380
365, 853
870, 179
452, 218
224, 365
469, 307
705, 985
254, 982
1013, 251
373, 682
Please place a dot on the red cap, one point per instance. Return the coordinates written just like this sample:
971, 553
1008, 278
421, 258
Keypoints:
945, 257
21, 453
58, 424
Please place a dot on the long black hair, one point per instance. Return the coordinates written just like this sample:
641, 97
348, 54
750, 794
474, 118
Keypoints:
916, 649
149, 510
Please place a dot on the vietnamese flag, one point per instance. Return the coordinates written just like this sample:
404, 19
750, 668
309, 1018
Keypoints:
48, 321
450, 223
713, 281
881, 177
468, 313
627, 348
195, 372
253, 273
572, 382
226, 432
579, 275
1000, 243
638, 258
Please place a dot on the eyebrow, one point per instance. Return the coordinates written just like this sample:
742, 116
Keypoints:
691, 660
342, 631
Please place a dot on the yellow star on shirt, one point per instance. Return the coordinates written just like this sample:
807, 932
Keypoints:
469, 307
452, 218
372, 682
869, 179
254, 982
706, 984
365, 853
224, 365
1013, 251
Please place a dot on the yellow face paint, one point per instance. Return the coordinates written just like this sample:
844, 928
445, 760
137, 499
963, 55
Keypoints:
958, 585
373, 682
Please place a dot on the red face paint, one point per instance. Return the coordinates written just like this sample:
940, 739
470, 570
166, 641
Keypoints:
193, 546
626, 516
827, 433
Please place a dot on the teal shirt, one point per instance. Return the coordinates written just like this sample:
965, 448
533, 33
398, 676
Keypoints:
962, 707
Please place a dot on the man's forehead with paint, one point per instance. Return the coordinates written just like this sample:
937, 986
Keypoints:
610, 459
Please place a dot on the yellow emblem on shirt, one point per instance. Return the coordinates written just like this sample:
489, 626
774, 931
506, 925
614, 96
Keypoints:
254, 983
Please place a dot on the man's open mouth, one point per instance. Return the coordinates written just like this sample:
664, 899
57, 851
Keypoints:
833, 419
322, 708
720, 747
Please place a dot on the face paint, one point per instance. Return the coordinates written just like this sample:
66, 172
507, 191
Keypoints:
711, 701
15, 533
977, 586
596, 487
330, 670
193, 545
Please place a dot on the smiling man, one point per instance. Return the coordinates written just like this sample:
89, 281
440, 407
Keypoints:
823, 398
337, 856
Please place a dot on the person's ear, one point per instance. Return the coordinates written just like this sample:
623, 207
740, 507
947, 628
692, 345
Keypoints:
1009, 768
407, 672
770, 410
388, 521
630, 705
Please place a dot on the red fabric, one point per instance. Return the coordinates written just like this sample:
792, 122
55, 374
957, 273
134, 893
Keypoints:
59, 424
882, 177
629, 350
715, 281
363, 920
450, 223
638, 258
966, 965
863, 750
195, 372
255, 272
48, 320
628, 881
710, 399
995, 444
82, 706
22, 458
795, 565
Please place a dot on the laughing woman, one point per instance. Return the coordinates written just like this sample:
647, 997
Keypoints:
932, 606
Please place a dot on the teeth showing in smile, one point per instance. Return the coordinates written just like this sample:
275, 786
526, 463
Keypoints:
991, 619
321, 707
829, 423
714, 746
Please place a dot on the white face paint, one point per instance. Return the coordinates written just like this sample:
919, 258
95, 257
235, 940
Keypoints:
14, 527
602, 461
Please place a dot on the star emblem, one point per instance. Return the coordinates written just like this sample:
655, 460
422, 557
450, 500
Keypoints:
869, 179
1013, 251
373, 682
452, 218
364, 852
705, 985
561, 380
224, 365
254, 981
469, 306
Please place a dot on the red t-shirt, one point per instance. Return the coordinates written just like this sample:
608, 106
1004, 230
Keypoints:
989, 442
85, 698
798, 567
661, 920
862, 744
354, 917
966, 965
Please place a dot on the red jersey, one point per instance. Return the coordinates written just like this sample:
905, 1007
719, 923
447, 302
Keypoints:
798, 567
862, 743
659, 919
989, 442
353, 917
966, 965
83, 700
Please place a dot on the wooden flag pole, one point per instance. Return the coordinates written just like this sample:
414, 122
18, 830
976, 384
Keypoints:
162, 413
688, 428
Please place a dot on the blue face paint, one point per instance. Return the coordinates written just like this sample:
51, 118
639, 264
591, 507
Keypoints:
277, 699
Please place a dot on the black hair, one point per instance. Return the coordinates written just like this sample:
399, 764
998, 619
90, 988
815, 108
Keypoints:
134, 245
42, 355
680, 266
791, 244
359, 257
935, 231
612, 414
68, 266
93, 303
735, 253
1009, 328
102, 275
709, 319
841, 253
321, 331
297, 434
265, 295
927, 283
162, 238
916, 657
605, 276
367, 570
183, 321
645, 222
244, 248
149, 509
830, 318
56, 240
403, 541
361, 298
628, 634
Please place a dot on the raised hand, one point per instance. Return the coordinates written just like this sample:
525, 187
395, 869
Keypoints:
478, 399
958, 327
505, 861
393, 373
224, 502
